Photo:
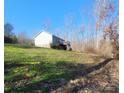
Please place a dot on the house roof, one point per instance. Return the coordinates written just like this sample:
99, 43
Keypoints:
48, 33
58, 37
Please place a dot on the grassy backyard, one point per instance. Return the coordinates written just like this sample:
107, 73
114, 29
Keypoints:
28, 69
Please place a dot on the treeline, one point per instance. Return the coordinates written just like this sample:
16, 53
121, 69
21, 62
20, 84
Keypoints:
101, 32
12, 38
9, 36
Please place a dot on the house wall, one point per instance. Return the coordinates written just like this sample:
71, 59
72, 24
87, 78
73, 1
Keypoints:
43, 40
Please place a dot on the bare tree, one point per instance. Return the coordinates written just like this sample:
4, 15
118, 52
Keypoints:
21, 38
68, 26
107, 13
46, 25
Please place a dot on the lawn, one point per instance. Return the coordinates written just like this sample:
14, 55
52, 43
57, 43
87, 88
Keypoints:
28, 68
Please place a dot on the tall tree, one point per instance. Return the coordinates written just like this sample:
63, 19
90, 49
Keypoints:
9, 36
107, 21
8, 30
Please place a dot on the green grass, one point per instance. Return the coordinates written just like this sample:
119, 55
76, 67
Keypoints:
27, 68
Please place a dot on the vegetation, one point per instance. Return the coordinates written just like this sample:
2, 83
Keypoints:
108, 22
21, 38
98, 36
9, 36
29, 68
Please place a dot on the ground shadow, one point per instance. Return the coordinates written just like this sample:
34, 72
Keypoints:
66, 71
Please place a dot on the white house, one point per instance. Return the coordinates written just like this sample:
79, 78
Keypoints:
45, 39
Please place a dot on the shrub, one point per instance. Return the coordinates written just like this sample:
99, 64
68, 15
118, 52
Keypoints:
7, 39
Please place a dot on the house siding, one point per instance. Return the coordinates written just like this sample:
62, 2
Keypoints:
43, 40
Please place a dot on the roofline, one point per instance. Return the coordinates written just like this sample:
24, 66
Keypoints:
59, 37
50, 34
41, 32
